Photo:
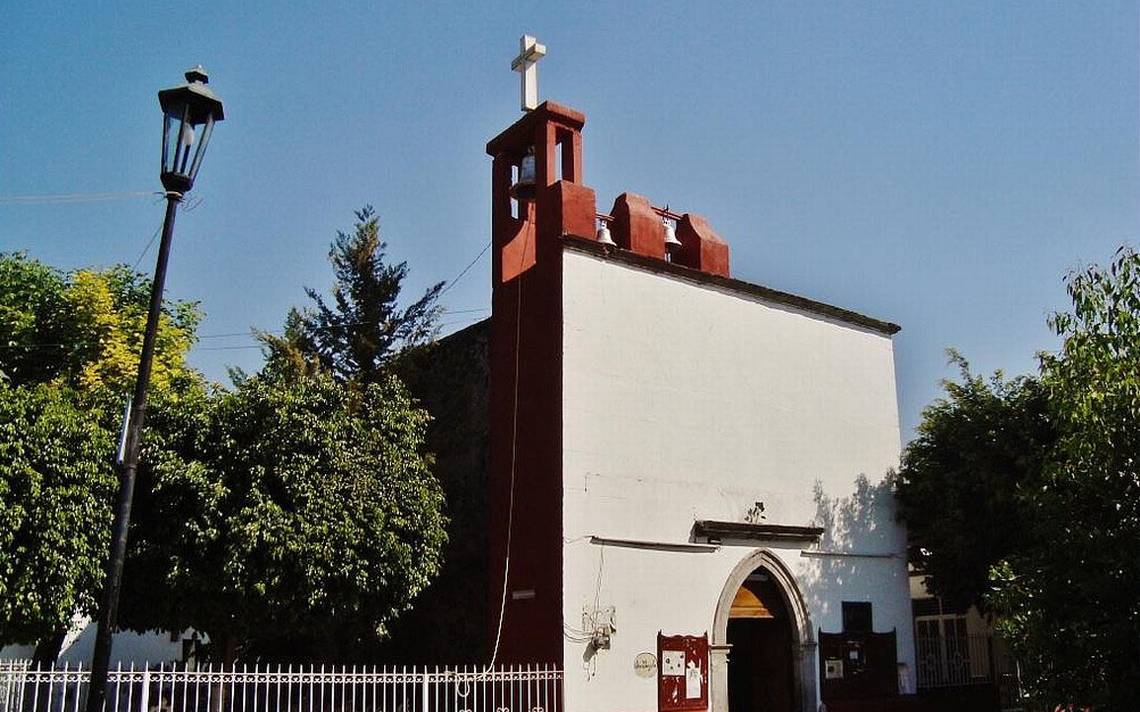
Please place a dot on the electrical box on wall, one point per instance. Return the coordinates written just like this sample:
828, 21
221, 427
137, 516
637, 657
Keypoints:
599, 623
682, 673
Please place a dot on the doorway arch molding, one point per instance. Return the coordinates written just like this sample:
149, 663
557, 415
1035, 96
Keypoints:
805, 665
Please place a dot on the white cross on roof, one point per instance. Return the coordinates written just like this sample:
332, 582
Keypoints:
526, 64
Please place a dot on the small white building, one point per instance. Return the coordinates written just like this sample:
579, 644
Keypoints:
688, 478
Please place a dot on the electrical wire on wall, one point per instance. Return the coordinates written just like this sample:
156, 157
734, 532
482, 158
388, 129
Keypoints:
597, 623
514, 454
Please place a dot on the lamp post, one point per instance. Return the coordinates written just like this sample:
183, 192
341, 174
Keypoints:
189, 113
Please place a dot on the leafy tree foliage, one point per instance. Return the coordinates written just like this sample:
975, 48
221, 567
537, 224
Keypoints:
301, 501
354, 335
959, 486
32, 311
69, 348
1039, 479
1070, 597
292, 503
56, 481
85, 329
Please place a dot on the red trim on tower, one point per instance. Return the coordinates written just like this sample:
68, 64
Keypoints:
526, 411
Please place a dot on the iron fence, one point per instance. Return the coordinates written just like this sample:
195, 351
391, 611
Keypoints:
285, 688
954, 660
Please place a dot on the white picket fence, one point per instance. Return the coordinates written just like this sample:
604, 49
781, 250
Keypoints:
286, 688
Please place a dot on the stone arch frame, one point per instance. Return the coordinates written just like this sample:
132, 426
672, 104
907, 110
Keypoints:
805, 664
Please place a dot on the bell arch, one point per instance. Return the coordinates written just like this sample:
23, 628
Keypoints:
805, 664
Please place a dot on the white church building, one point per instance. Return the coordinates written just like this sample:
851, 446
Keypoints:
688, 474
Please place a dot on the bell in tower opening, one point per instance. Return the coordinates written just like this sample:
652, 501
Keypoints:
524, 189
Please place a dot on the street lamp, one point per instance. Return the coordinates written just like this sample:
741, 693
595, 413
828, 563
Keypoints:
189, 113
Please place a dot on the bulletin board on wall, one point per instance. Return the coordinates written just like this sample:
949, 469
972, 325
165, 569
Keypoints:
682, 672
857, 666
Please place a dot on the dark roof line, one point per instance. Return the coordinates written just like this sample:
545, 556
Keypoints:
593, 247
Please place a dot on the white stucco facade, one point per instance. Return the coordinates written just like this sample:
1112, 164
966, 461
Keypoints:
127, 647
686, 401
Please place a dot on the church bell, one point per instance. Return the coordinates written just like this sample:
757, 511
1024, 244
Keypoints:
605, 237
524, 189
671, 241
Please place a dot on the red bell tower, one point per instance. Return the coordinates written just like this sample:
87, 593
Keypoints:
525, 474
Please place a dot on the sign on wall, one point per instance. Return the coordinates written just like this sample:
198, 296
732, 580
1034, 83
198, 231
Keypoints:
683, 673
645, 665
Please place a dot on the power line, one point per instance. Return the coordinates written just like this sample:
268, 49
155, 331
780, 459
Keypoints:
236, 334
476, 314
147, 248
194, 203
73, 197
346, 324
459, 276
465, 311
468, 320
230, 335
447, 312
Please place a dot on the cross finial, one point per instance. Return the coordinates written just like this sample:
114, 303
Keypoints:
530, 51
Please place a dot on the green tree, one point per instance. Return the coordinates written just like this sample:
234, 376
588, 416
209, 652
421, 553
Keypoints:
69, 345
32, 316
291, 504
356, 334
56, 482
1039, 480
977, 448
1070, 596
84, 329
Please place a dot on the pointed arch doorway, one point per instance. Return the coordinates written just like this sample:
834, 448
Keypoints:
764, 654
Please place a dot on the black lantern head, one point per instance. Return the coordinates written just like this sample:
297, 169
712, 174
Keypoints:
189, 113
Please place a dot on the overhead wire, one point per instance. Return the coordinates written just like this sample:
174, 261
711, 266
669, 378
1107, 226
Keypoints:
464, 271
52, 199
455, 280
248, 334
213, 336
477, 315
146, 248
230, 348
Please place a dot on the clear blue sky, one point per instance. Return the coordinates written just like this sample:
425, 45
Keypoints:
937, 164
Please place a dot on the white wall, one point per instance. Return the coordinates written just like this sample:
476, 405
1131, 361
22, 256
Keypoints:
126, 647
683, 402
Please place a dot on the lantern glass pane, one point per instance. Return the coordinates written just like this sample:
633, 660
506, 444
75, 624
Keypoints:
173, 147
166, 122
200, 149
178, 145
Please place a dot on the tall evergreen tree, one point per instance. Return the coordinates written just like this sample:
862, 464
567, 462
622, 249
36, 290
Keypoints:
356, 333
